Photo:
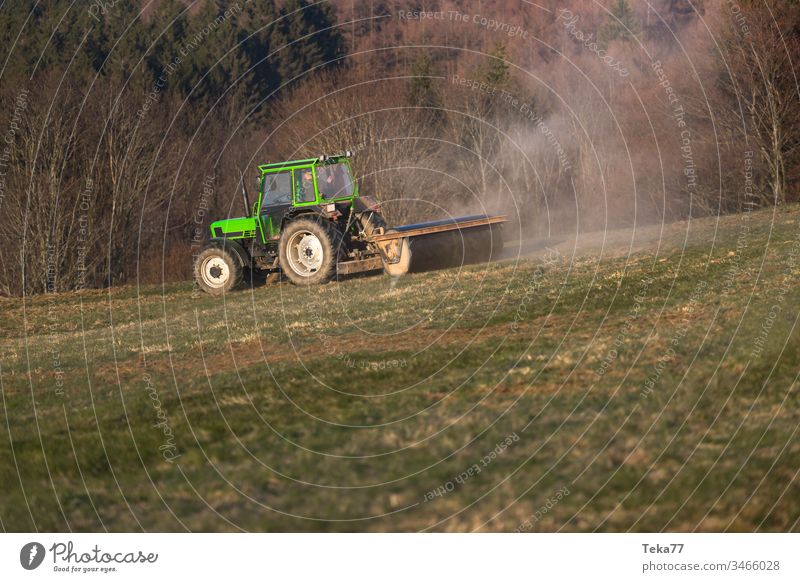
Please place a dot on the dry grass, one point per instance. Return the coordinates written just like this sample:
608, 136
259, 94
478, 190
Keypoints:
341, 407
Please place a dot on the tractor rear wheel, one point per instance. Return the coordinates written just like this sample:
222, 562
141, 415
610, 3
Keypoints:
217, 270
309, 251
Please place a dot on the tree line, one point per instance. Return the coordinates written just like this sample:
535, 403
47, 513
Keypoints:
124, 125
115, 114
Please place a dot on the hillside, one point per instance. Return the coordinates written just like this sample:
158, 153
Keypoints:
628, 380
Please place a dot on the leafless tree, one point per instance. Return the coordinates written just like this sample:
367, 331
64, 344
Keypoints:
761, 49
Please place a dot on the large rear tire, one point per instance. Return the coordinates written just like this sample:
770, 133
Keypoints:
217, 270
309, 251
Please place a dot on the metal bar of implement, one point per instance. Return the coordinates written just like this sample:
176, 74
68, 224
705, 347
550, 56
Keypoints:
350, 267
456, 224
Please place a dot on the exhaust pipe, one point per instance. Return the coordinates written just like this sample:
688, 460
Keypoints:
245, 197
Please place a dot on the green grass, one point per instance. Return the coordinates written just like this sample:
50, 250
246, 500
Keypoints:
339, 408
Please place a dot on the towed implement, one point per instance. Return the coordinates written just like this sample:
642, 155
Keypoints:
310, 224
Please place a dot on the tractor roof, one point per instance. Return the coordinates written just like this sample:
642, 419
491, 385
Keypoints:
305, 162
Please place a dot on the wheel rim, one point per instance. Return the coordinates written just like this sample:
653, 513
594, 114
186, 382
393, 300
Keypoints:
305, 253
215, 272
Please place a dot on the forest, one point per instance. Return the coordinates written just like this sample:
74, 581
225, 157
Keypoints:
124, 126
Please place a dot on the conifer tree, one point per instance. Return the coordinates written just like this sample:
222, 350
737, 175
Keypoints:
496, 73
306, 38
422, 91
622, 24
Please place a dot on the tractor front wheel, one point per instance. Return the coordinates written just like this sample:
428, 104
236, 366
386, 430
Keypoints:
217, 270
309, 251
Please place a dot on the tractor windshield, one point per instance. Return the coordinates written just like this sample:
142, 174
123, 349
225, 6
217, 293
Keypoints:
334, 181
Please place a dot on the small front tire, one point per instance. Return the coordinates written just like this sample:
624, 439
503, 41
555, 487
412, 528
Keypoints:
217, 270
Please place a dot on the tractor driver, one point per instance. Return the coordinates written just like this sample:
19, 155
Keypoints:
306, 187
326, 185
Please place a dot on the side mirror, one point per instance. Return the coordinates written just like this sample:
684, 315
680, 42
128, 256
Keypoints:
255, 208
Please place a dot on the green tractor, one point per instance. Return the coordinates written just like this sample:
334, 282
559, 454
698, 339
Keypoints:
310, 224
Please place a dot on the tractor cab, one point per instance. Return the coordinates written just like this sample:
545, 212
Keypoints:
289, 188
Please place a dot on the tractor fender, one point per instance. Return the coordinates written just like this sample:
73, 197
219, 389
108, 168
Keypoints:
234, 247
304, 212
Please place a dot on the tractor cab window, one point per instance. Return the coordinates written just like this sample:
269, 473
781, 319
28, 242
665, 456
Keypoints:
304, 186
334, 181
277, 189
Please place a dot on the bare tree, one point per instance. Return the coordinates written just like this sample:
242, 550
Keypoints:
40, 224
395, 153
761, 48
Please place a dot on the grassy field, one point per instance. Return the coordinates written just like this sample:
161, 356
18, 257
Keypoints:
634, 380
